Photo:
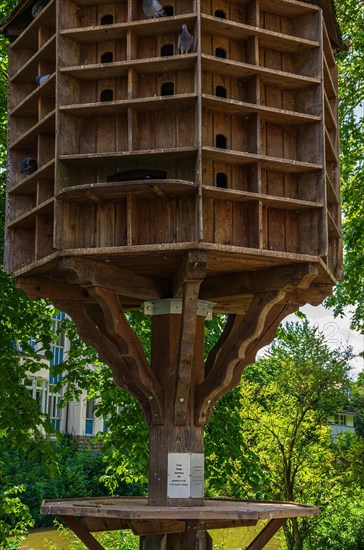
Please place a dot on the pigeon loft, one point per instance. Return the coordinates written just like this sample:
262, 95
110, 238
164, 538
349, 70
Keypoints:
244, 130
188, 185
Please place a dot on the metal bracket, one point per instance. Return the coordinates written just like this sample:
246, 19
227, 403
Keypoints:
174, 307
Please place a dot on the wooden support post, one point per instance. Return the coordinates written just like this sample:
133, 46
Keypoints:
266, 534
191, 539
169, 437
75, 524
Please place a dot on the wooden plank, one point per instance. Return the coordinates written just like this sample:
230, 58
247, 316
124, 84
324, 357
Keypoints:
274, 278
130, 508
191, 276
223, 222
120, 68
273, 163
91, 273
277, 78
266, 534
276, 229
83, 534
148, 527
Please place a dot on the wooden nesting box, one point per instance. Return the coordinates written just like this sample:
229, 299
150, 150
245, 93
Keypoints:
143, 154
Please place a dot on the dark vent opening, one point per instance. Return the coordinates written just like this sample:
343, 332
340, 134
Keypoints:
167, 49
167, 88
221, 180
220, 91
107, 95
220, 52
107, 19
221, 141
168, 10
107, 57
138, 174
221, 14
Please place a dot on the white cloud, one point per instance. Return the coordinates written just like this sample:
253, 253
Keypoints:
336, 330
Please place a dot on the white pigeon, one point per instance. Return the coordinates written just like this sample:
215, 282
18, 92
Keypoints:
152, 8
185, 40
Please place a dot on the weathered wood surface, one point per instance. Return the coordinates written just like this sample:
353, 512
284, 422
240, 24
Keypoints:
262, 539
265, 96
130, 508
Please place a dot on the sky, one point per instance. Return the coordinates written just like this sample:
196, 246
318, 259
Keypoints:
336, 330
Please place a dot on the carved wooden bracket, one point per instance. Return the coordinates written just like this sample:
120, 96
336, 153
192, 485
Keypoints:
89, 324
139, 371
94, 301
225, 361
124, 282
245, 334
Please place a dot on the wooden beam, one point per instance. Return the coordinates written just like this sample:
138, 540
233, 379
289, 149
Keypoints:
130, 348
230, 350
194, 270
83, 534
262, 539
52, 289
124, 282
263, 280
108, 352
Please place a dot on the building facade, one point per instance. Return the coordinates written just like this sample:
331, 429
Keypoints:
76, 417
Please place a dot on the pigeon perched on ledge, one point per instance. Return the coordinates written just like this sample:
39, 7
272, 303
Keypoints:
152, 8
185, 40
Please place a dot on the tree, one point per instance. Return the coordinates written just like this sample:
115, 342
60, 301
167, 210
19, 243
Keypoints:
350, 292
286, 400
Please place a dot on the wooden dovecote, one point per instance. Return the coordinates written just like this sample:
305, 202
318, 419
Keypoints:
138, 175
232, 148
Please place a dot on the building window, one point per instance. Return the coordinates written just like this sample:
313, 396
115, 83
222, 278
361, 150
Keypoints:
38, 389
221, 14
220, 91
221, 141
107, 57
167, 49
54, 411
89, 424
167, 88
58, 342
340, 419
107, 19
220, 52
106, 95
221, 180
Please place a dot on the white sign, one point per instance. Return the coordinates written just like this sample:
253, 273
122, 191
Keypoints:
197, 475
185, 475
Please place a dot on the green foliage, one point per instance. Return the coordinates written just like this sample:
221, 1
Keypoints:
15, 519
78, 473
21, 323
227, 451
342, 525
287, 398
351, 93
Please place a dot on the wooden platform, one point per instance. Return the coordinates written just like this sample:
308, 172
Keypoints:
84, 516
